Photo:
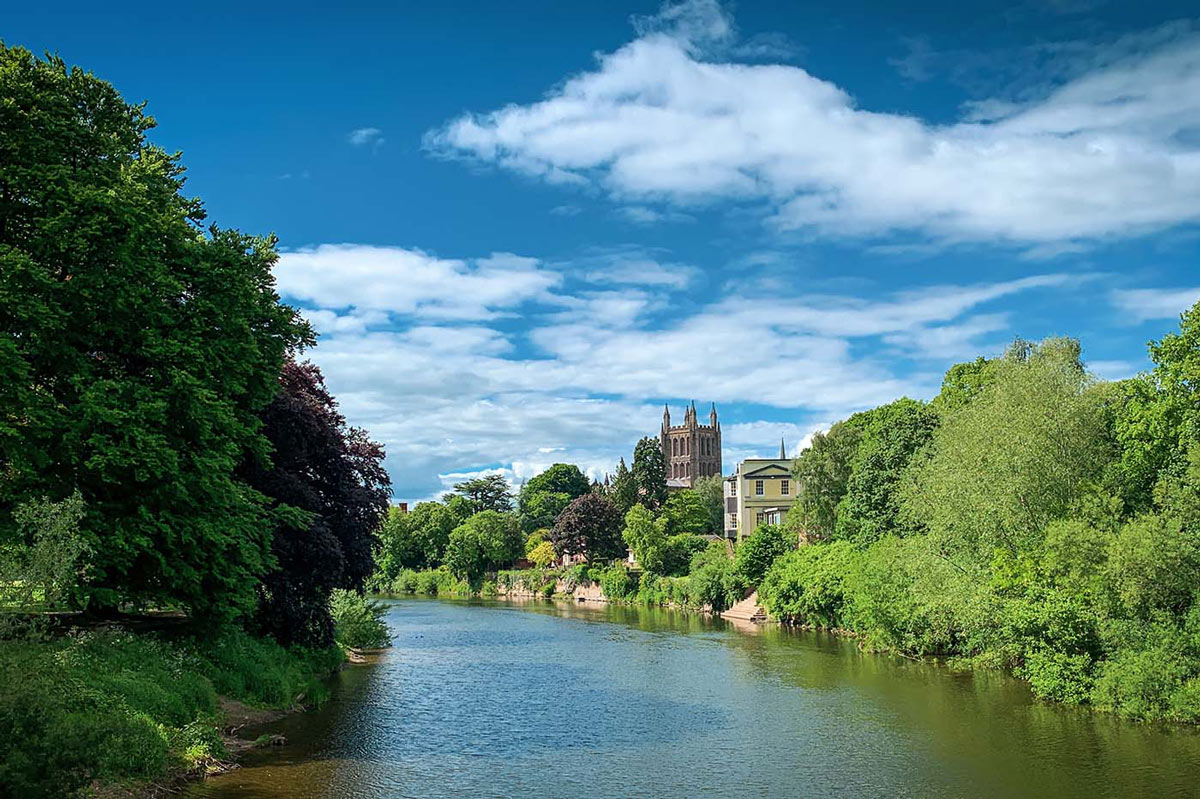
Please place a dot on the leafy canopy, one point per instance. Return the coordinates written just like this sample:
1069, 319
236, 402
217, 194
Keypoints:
136, 348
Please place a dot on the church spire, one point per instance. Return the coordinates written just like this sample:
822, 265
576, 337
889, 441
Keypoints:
782, 451
666, 416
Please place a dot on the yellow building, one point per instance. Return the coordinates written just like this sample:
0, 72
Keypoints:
760, 492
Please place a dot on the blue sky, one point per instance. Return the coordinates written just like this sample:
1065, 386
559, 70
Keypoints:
522, 227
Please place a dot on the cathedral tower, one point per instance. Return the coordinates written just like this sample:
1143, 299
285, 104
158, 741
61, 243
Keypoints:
690, 450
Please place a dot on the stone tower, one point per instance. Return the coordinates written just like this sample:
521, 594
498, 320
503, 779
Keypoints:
690, 450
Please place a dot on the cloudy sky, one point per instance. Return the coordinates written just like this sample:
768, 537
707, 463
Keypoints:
522, 227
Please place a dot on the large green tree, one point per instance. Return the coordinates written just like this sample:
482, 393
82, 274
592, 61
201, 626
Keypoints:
136, 346
822, 472
545, 495
488, 540
490, 492
687, 512
1020, 455
650, 473
891, 436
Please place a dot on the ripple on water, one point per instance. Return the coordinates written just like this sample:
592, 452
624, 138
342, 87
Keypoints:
545, 700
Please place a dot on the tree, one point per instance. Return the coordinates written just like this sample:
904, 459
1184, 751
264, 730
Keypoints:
330, 492
589, 526
398, 548
541, 555
564, 478
963, 382
623, 491
646, 538
490, 492
760, 549
891, 436
687, 512
650, 473
136, 350
711, 490
822, 472
1020, 455
545, 495
488, 540
542, 508
430, 525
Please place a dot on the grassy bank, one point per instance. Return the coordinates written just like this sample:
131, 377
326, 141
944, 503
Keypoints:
114, 708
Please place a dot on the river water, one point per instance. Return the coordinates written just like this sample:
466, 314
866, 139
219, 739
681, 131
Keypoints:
554, 700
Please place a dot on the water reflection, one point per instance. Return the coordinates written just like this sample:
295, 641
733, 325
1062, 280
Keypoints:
564, 700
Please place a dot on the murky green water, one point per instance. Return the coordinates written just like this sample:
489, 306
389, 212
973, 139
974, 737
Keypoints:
502, 700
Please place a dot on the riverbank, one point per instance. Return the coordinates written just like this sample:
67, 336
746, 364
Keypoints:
112, 713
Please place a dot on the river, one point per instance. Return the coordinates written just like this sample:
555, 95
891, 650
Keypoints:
554, 700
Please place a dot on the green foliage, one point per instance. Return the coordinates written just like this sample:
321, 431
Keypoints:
41, 573
713, 581
756, 553
809, 585
822, 472
358, 621
545, 495
711, 490
688, 511
542, 555
962, 383
135, 350
112, 706
540, 509
646, 537
650, 473
486, 541
892, 435
1154, 566
679, 551
1018, 457
623, 491
617, 583
490, 492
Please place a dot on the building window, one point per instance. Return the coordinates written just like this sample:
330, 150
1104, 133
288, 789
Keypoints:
783, 487
758, 518
758, 488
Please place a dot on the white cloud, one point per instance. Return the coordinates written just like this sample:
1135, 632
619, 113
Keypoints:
365, 137
422, 351
1145, 304
411, 281
1111, 152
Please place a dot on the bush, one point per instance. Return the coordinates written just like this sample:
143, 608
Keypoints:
756, 554
808, 585
358, 621
616, 582
713, 580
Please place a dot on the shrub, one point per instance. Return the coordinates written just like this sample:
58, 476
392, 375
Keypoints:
617, 583
756, 554
808, 585
358, 621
